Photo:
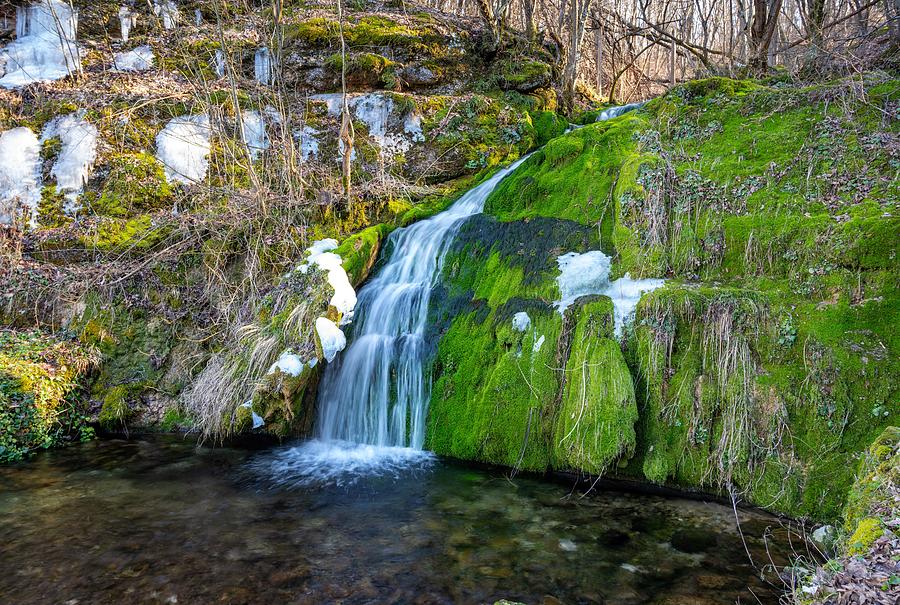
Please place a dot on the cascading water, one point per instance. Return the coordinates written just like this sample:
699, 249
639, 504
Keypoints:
374, 398
377, 392
373, 401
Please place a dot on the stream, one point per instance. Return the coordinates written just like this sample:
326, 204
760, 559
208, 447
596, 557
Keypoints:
160, 520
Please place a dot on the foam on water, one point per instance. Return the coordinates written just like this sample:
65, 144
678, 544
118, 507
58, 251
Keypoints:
339, 463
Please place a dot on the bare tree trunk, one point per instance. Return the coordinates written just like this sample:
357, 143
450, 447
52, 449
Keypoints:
598, 57
347, 133
762, 30
579, 10
528, 17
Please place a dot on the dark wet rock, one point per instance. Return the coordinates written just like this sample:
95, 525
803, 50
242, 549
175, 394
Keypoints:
693, 540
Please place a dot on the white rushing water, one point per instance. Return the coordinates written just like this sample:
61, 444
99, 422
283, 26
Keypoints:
615, 112
44, 49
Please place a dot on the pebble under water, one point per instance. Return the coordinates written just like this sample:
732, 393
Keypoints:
162, 521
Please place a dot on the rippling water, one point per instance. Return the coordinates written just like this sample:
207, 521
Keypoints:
161, 521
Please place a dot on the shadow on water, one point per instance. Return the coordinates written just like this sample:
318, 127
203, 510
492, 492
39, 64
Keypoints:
162, 521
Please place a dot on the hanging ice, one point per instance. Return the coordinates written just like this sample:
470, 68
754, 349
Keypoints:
182, 147
138, 59
254, 129
262, 66
20, 174
219, 63
588, 273
45, 47
309, 144
257, 419
198, 17
331, 338
374, 110
166, 10
127, 19
521, 321
77, 153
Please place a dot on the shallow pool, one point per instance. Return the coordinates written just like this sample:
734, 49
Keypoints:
162, 521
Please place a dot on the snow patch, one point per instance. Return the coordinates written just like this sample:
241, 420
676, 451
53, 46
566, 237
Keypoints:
45, 48
521, 321
344, 298
20, 174
182, 147
309, 144
588, 273
76, 155
331, 338
288, 363
138, 59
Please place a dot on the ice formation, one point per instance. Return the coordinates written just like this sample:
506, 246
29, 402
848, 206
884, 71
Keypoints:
262, 66
127, 19
257, 419
77, 153
374, 110
44, 49
182, 147
138, 59
321, 255
521, 321
309, 144
331, 338
254, 128
219, 63
289, 364
588, 273
166, 10
198, 17
20, 174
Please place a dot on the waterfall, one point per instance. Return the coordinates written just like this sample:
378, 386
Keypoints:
377, 392
615, 112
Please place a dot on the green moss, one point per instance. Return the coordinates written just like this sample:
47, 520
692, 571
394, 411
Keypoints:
136, 183
595, 421
547, 125
360, 251
41, 376
368, 31
50, 208
865, 535
126, 235
115, 411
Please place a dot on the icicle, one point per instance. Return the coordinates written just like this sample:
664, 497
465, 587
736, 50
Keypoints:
20, 174
166, 10
262, 66
76, 155
127, 19
198, 17
45, 49
219, 65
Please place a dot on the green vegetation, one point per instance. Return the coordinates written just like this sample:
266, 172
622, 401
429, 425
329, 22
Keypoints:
40, 401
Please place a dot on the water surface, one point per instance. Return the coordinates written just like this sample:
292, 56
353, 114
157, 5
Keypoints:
161, 521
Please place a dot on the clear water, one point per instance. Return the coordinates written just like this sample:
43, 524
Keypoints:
160, 521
